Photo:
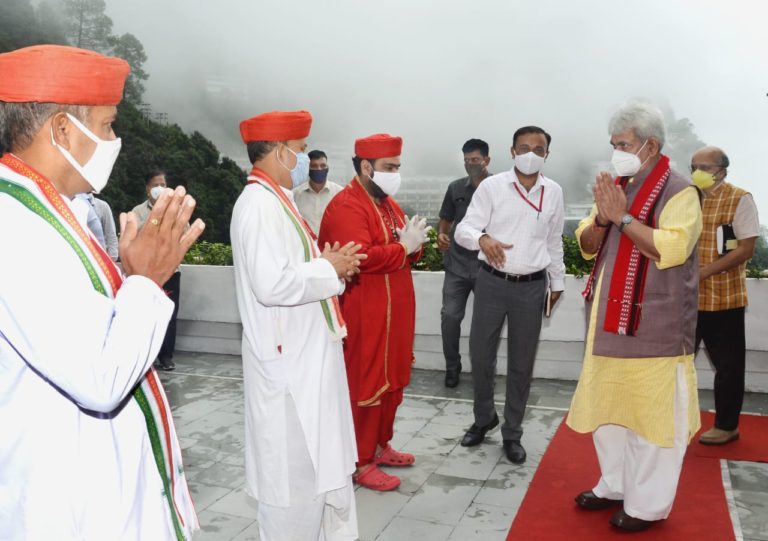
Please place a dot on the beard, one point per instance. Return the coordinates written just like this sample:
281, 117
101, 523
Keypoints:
378, 193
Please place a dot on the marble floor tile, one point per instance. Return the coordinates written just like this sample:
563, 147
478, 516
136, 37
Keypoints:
237, 503
753, 513
451, 493
402, 528
251, 533
220, 527
375, 510
442, 499
206, 495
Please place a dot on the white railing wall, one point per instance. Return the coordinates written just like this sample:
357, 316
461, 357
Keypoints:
209, 322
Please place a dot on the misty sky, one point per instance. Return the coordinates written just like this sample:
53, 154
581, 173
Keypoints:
440, 72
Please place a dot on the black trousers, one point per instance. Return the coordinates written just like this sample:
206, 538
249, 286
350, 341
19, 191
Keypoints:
173, 288
723, 335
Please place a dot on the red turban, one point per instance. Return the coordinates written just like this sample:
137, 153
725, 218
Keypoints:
65, 75
276, 126
381, 145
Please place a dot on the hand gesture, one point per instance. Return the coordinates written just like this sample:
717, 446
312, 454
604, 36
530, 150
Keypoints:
443, 242
494, 251
345, 259
157, 249
610, 199
414, 234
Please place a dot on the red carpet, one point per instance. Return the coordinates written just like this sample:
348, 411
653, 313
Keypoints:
569, 466
752, 445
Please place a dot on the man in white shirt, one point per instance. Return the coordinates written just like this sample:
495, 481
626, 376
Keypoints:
300, 448
516, 221
314, 195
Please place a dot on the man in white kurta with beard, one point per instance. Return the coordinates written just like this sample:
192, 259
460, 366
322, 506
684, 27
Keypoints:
299, 437
88, 451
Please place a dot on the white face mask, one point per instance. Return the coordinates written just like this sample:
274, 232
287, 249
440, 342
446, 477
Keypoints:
388, 182
156, 192
529, 163
97, 169
626, 163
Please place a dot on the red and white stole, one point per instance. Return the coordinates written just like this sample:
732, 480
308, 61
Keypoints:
330, 307
106, 278
625, 295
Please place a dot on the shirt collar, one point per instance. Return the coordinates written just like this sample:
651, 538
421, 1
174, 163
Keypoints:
323, 189
534, 188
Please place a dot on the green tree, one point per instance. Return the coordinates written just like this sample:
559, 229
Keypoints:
88, 25
130, 49
23, 25
759, 262
189, 160
682, 142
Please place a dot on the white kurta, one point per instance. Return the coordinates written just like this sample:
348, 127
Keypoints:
64, 474
288, 350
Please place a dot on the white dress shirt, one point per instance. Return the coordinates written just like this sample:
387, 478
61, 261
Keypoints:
311, 204
501, 211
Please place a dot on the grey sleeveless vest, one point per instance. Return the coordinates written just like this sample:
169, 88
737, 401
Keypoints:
670, 300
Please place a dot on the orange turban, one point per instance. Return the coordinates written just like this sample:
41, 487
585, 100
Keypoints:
65, 75
381, 145
276, 126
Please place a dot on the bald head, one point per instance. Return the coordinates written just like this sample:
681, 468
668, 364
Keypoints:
712, 156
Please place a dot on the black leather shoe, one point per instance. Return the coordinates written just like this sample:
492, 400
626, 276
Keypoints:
623, 521
452, 377
587, 500
476, 434
514, 451
167, 365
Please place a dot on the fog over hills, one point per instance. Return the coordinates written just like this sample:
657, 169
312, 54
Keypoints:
440, 72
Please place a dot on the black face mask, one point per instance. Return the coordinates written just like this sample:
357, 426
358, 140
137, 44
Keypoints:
318, 175
474, 170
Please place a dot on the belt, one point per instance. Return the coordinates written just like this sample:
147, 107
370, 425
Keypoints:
538, 275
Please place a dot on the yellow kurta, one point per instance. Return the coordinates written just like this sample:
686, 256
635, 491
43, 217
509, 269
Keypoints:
638, 393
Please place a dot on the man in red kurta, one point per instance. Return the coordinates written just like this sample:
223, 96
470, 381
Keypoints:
379, 304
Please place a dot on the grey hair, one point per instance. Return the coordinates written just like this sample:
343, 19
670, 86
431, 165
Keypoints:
20, 122
642, 118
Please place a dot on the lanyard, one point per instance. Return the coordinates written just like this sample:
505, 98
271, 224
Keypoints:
541, 200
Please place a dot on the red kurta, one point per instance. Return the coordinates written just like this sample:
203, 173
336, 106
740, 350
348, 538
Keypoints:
379, 305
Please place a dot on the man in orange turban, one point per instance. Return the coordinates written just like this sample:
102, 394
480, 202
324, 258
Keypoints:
299, 436
379, 305
89, 450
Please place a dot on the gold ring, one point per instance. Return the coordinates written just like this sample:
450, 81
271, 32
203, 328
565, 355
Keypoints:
154, 221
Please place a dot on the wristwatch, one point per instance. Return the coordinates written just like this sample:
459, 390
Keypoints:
625, 221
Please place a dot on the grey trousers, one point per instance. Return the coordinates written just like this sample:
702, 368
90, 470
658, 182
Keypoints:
522, 304
456, 291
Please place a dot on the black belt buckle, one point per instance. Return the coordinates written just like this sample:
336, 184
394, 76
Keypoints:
538, 275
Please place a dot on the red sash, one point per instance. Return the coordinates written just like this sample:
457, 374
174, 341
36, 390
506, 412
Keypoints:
625, 296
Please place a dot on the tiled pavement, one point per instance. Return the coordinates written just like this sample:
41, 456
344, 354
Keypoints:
452, 493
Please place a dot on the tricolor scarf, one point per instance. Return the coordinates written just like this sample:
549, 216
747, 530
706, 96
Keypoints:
107, 279
330, 307
625, 296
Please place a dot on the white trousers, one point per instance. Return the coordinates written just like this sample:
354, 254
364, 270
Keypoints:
644, 475
330, 516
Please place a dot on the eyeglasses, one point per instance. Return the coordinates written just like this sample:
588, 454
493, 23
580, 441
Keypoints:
705, 167
525, 149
